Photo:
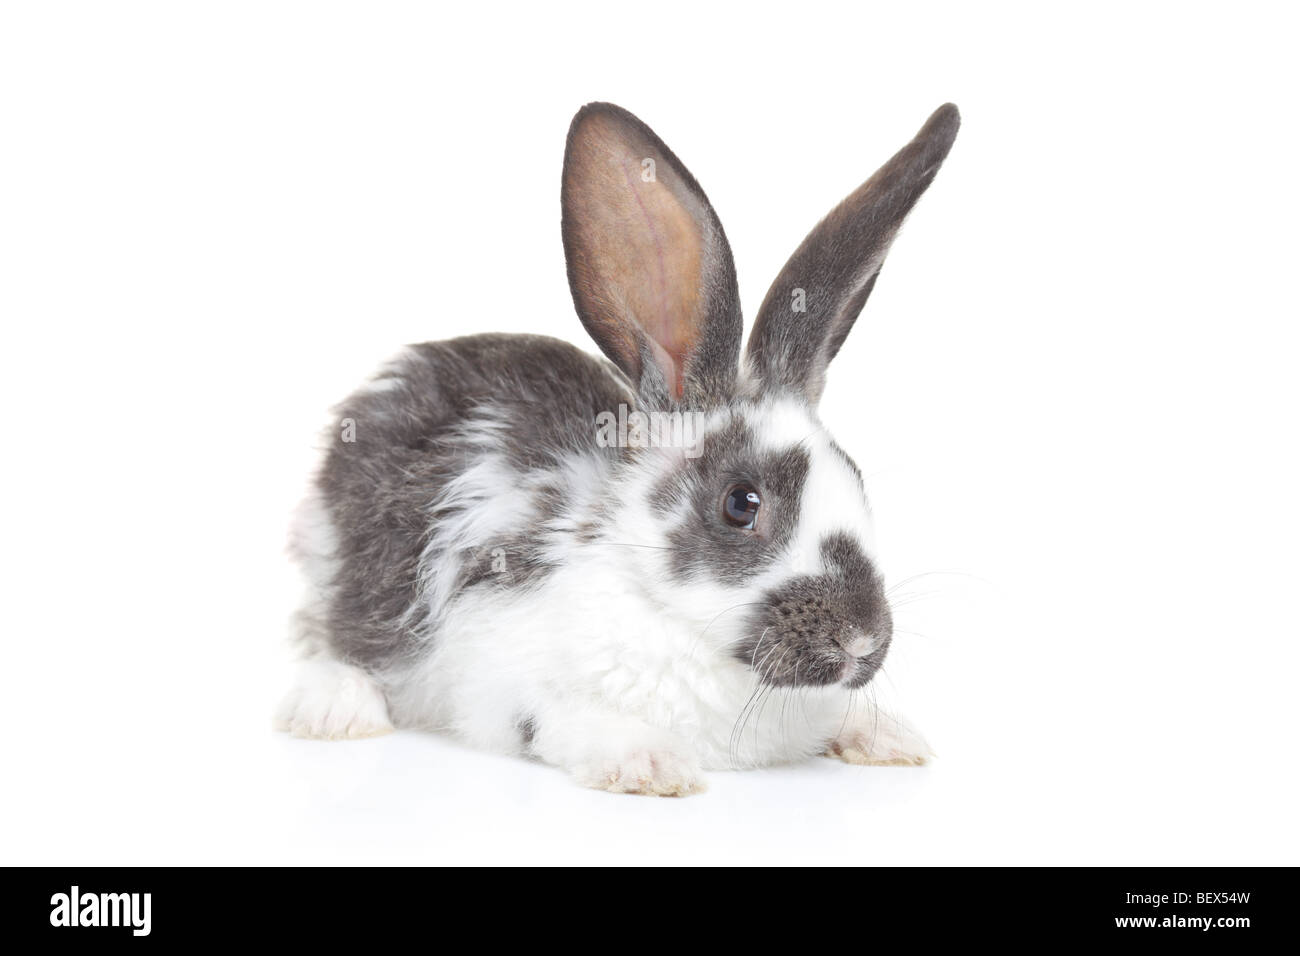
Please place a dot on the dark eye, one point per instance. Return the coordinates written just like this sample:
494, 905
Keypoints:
740, 506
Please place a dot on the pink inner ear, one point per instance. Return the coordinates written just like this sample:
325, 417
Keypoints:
671, 366
671, 333
638, 247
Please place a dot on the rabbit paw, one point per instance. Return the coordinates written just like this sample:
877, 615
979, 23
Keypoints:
660, 773
886, 743
333, 701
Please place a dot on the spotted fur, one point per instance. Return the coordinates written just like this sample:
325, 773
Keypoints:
480, 562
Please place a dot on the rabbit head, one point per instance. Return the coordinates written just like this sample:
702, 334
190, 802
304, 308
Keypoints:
763, 535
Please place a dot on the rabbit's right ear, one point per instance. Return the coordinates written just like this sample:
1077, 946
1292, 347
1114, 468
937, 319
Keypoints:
649, 266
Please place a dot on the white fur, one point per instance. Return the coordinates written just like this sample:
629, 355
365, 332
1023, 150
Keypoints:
833, 501
333, 701
313, 542
883, 741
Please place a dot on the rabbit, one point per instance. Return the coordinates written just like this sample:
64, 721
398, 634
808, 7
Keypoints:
506, 550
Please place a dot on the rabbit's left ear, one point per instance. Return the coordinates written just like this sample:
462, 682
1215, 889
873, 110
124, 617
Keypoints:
649, 266
813, 303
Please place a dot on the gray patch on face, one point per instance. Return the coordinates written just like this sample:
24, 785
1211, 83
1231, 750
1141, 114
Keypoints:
410, 441
801, 630
703, 543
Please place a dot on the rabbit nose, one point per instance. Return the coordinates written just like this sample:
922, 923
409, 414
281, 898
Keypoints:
858, 643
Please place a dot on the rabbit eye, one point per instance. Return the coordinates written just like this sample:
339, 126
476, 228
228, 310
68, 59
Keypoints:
740, 506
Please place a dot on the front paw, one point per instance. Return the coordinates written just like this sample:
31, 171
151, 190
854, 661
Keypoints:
888, 743
333, 701
660, 773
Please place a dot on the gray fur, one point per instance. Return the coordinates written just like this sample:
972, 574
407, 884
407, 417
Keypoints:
837, 265
809, 618
527, 727
377, 490
705, 545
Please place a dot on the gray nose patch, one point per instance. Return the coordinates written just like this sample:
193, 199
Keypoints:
828, 628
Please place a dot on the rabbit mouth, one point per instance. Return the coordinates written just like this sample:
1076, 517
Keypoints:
859, 671
798, 659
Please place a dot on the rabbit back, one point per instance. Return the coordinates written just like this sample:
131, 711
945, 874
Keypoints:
395, 524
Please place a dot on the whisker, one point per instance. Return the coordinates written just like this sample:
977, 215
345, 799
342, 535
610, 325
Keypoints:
690, 651
733, 745
926, 574
904, 630
785, 700
848, 710
753, 708
905, 599
758, 718
738, 729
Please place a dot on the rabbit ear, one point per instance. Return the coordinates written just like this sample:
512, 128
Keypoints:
813, 303
649, 266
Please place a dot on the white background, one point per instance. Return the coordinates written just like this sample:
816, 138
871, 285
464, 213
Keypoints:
1073, 393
